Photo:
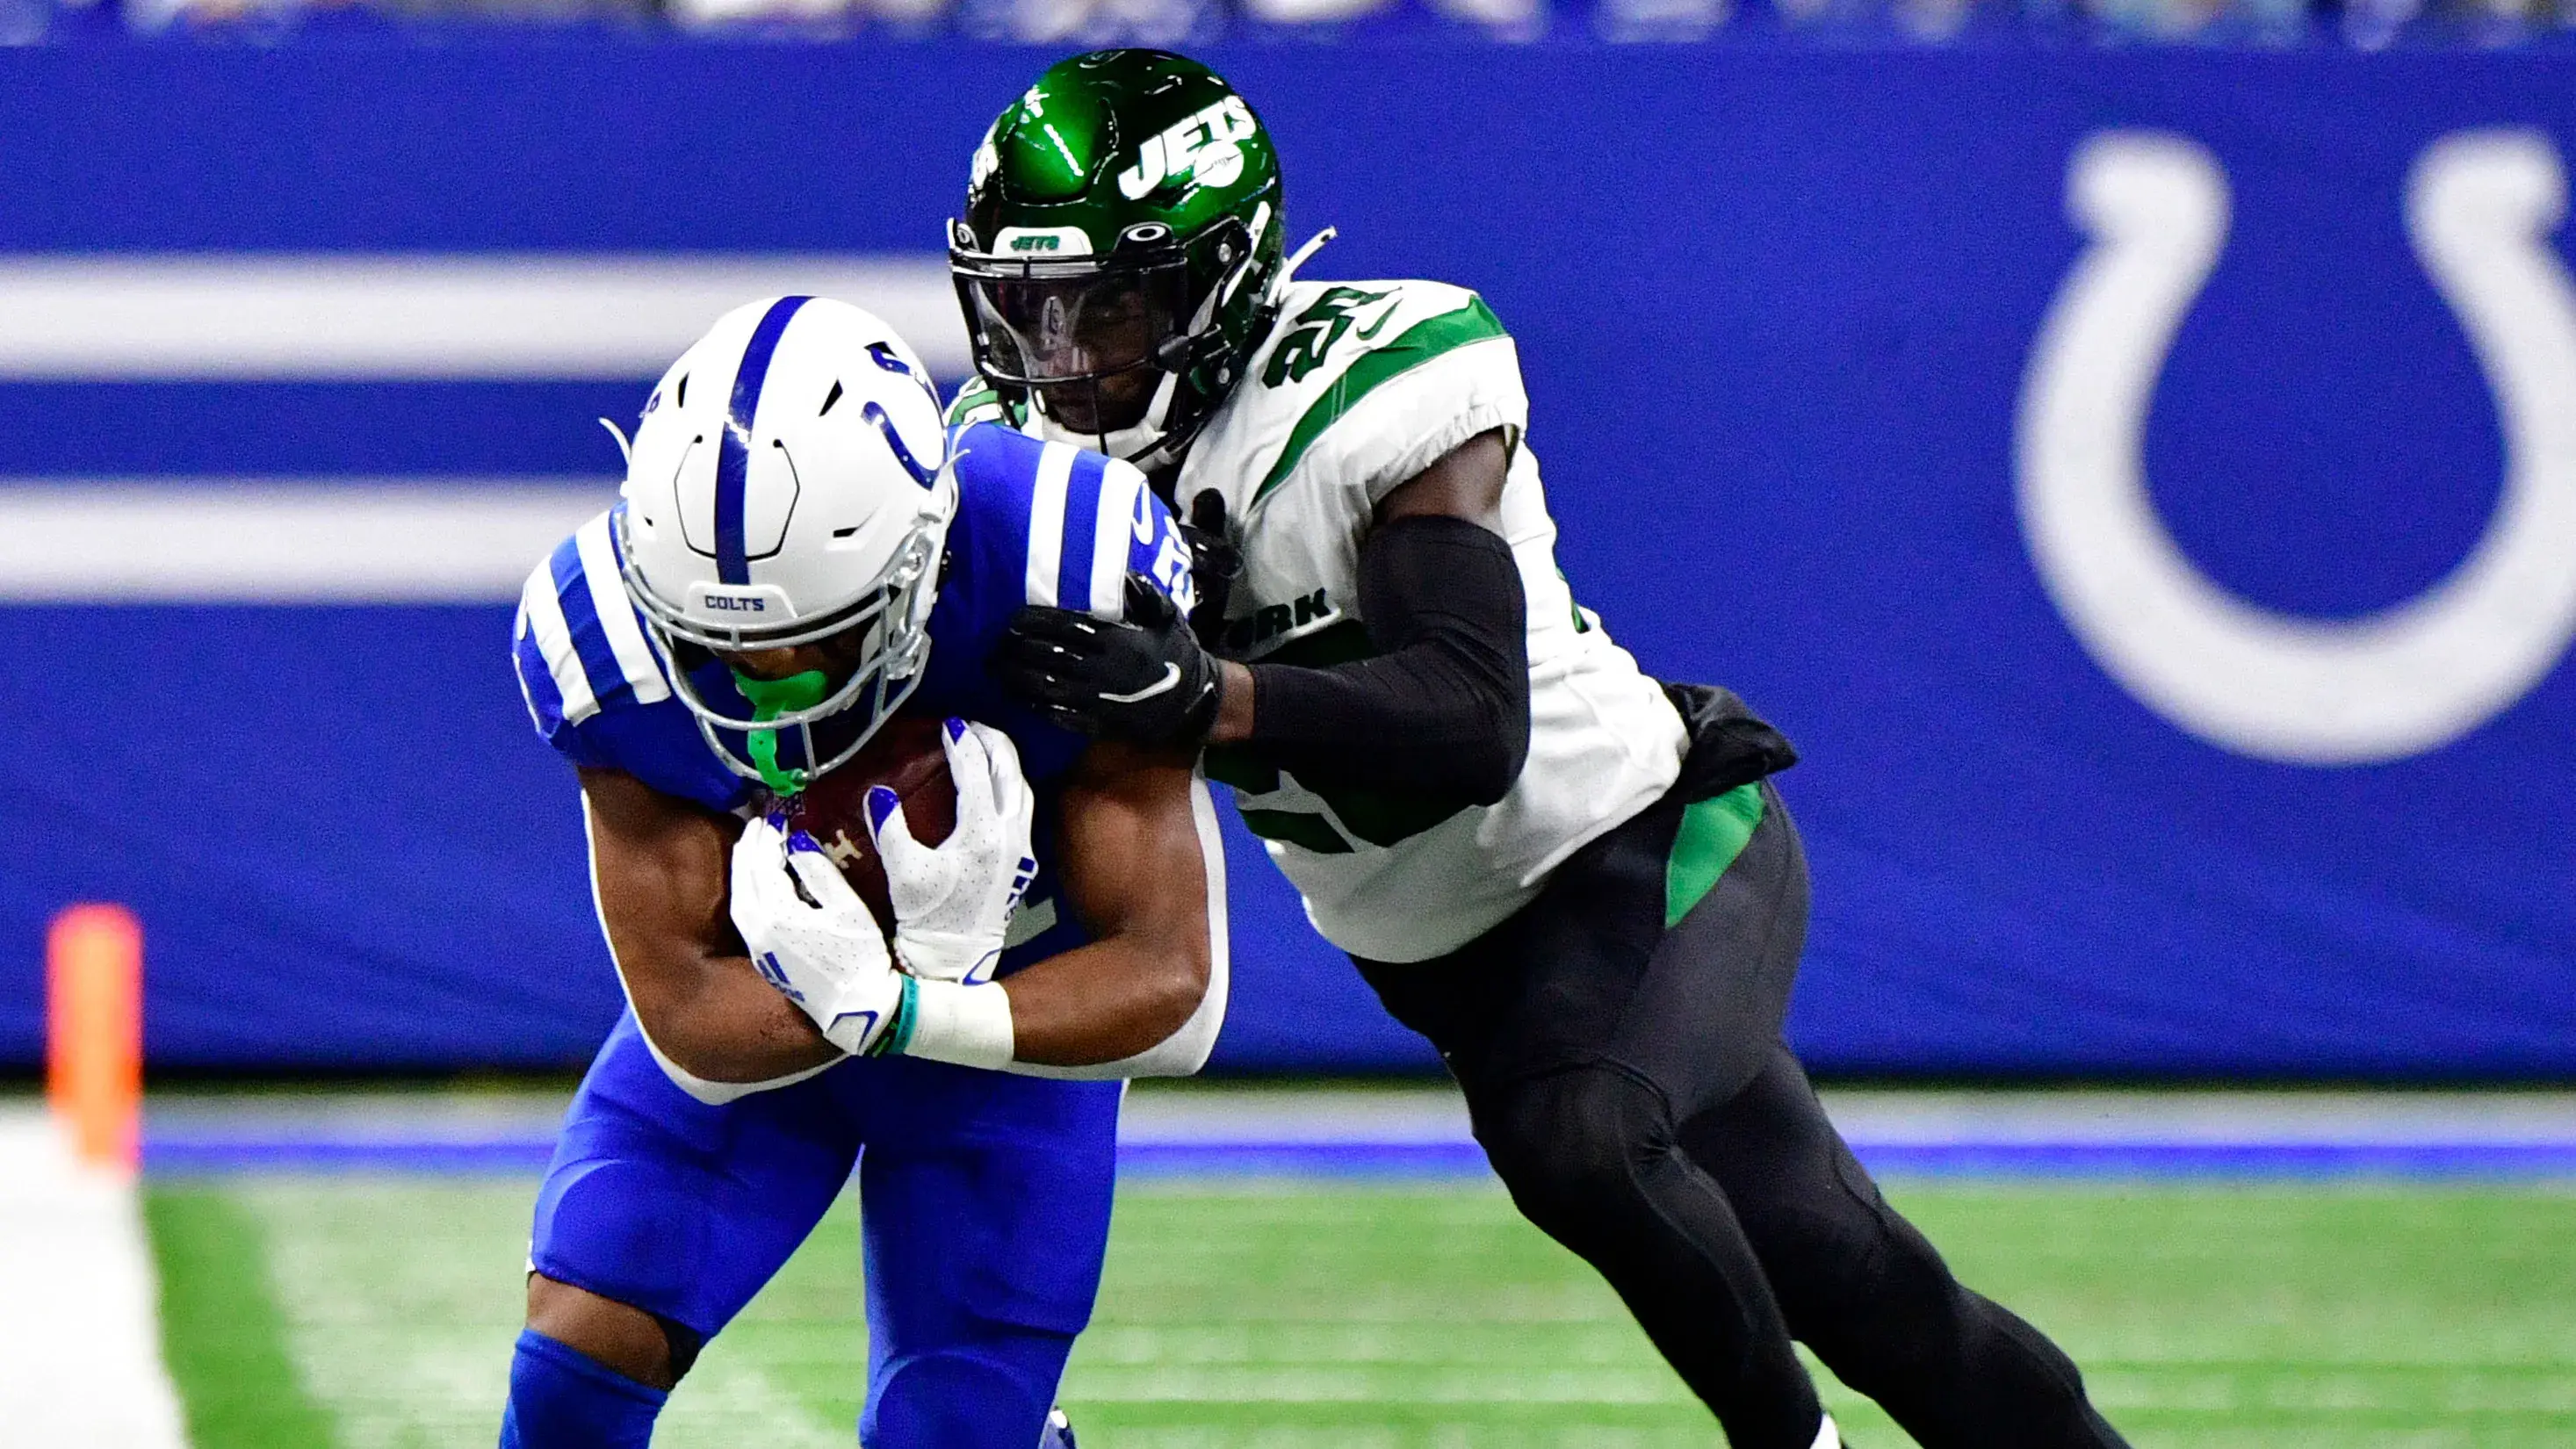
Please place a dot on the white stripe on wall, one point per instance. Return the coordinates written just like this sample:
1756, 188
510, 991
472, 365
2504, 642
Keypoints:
252, 541
480, 315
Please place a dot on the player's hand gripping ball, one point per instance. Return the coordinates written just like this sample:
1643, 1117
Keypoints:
810, 936
909, 756
945, 860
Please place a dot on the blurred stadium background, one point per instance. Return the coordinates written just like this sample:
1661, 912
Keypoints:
2196, 882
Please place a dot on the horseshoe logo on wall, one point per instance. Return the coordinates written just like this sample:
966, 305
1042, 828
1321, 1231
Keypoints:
2480, 207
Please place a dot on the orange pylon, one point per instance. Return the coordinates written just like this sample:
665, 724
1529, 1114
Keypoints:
94, 1032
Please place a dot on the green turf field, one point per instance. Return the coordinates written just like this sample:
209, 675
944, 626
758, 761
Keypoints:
378, 1313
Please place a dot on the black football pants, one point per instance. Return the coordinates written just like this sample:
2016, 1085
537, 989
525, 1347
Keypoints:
1629, 1085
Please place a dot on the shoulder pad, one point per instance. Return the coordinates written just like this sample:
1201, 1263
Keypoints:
1064, 524
1328, 327
976, 402
1339, 344
578, 643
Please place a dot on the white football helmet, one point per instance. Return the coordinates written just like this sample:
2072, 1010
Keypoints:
788, 484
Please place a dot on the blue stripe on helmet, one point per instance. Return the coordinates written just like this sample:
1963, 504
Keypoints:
886, 358
877, 418
733, 455
1081, 532
608, 683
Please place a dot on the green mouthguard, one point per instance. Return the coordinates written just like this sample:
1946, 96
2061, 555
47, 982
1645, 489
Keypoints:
769, 699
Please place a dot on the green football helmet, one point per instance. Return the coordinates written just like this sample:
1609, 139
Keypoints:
1119, 256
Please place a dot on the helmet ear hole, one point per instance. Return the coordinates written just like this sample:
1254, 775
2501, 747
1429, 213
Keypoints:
831, 397
680, 395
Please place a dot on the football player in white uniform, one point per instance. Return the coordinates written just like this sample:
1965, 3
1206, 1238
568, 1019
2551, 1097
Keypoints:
1576, 881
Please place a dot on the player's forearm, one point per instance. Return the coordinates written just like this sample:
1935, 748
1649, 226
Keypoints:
1140, 864
658, 869
1442, 711
1431, 720
717, 1020
1234, 704
1105, 1002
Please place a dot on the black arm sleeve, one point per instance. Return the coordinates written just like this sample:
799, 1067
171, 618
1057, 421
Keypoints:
1443, 711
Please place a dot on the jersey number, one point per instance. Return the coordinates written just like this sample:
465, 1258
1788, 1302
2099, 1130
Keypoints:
1316, 330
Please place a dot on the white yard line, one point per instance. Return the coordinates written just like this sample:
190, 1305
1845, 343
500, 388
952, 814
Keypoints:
80, 1338
407, 1348
729, 1403
1646, 1382
1896, 1116
1212, 1114
1207, 1112
445, 1116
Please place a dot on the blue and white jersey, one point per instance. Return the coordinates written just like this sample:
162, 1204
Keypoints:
1037, 523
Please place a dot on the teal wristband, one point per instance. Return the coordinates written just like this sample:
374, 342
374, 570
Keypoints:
898, 1032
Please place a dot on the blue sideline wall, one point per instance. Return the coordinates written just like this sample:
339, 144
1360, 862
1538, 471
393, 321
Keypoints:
1777, 314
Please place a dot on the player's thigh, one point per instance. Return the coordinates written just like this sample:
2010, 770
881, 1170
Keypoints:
1706, 1014
684, 1210
984, 1199
1547, 989
984, 1202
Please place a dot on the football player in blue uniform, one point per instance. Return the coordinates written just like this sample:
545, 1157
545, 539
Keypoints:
799, 552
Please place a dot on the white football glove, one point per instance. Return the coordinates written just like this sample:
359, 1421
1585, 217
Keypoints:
827, 955
953, 902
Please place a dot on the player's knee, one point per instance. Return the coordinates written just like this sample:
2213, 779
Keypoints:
1574, 1147
1883, 1310
960, 1399
624, 1339
1859, 1271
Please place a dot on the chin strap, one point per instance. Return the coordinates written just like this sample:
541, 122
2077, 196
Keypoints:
770, 698
1134, 442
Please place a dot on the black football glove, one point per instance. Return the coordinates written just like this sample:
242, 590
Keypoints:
1143, 679
1215, 563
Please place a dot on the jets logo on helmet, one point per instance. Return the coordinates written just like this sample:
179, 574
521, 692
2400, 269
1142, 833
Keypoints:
783, 488
1120, 253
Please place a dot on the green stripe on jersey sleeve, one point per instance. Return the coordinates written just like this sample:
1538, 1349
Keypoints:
1414, 346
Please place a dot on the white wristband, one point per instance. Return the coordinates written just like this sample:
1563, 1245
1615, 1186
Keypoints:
950, 1021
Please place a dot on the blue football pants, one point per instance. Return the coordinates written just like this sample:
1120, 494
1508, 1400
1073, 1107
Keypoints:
985, 1213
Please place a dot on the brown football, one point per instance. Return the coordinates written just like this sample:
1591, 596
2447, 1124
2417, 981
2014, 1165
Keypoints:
905, 757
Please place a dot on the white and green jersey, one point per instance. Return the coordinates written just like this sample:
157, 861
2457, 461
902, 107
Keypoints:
1360, 387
